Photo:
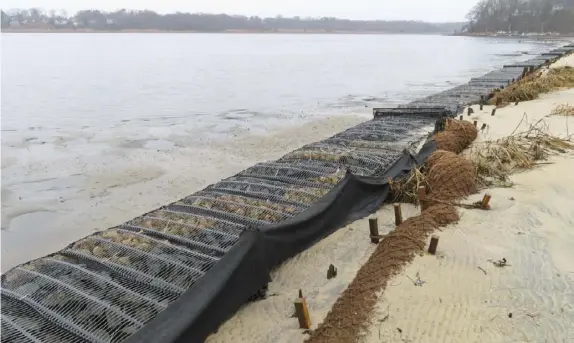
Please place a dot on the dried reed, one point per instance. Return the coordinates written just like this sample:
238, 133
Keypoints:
405, 189
563, 110
532, 86
496, 160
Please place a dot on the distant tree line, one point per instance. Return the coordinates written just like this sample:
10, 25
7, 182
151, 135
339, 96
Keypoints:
541, 16
149, 20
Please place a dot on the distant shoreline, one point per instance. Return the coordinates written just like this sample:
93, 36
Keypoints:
494, 35
292, 31
280, 31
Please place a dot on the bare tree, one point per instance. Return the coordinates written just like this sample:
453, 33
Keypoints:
522, 16
149, 20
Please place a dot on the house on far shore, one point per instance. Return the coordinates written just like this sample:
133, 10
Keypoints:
15, 24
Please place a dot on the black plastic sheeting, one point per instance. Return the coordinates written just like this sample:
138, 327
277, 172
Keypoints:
245, 268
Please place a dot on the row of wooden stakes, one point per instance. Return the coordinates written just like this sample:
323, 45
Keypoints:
498, 105
301, 309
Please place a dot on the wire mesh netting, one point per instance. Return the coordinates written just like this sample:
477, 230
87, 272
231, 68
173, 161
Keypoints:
412, 111
107, 286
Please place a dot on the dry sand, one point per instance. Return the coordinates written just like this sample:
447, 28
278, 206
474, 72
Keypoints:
531, 225
270, 320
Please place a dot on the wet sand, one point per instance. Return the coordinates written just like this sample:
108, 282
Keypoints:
530, 224
55, 197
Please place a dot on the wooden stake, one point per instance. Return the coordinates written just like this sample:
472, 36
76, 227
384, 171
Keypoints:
460, 118
302, 313
300, 293
433, 244
493, 111
331, 272
481, 106
422, 197
498, 102
475, 123
485, 201
398, 214
483, 126
374, 230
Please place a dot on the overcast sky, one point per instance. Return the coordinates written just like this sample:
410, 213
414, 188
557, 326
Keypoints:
427, 10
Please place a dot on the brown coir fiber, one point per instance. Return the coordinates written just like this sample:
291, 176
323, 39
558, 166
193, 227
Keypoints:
351, 313
457, 136
450, 176
449, 141
464, 127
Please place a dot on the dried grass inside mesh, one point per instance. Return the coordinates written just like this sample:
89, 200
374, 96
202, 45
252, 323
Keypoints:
496, 160
405, 189
563, 110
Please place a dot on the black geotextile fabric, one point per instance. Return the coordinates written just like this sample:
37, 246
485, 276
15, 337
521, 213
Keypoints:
245, 268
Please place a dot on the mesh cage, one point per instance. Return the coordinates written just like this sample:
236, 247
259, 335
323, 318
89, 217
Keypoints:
24, 323
67, 306
107, 286
212, 237
270, 190
534, 62
386, 129
405, 110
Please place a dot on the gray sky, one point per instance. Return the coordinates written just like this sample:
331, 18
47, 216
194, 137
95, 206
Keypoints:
428, 10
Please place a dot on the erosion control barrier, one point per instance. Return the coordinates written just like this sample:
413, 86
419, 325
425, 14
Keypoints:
176, 273
448, 177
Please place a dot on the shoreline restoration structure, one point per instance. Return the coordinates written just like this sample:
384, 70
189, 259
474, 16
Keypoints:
177, 273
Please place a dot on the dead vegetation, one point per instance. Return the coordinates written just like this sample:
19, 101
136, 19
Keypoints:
563, 110
496, 160
530, 87
351, 313
448, 178
405, 189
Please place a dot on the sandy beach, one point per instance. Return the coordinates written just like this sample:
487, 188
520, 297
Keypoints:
464, 297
